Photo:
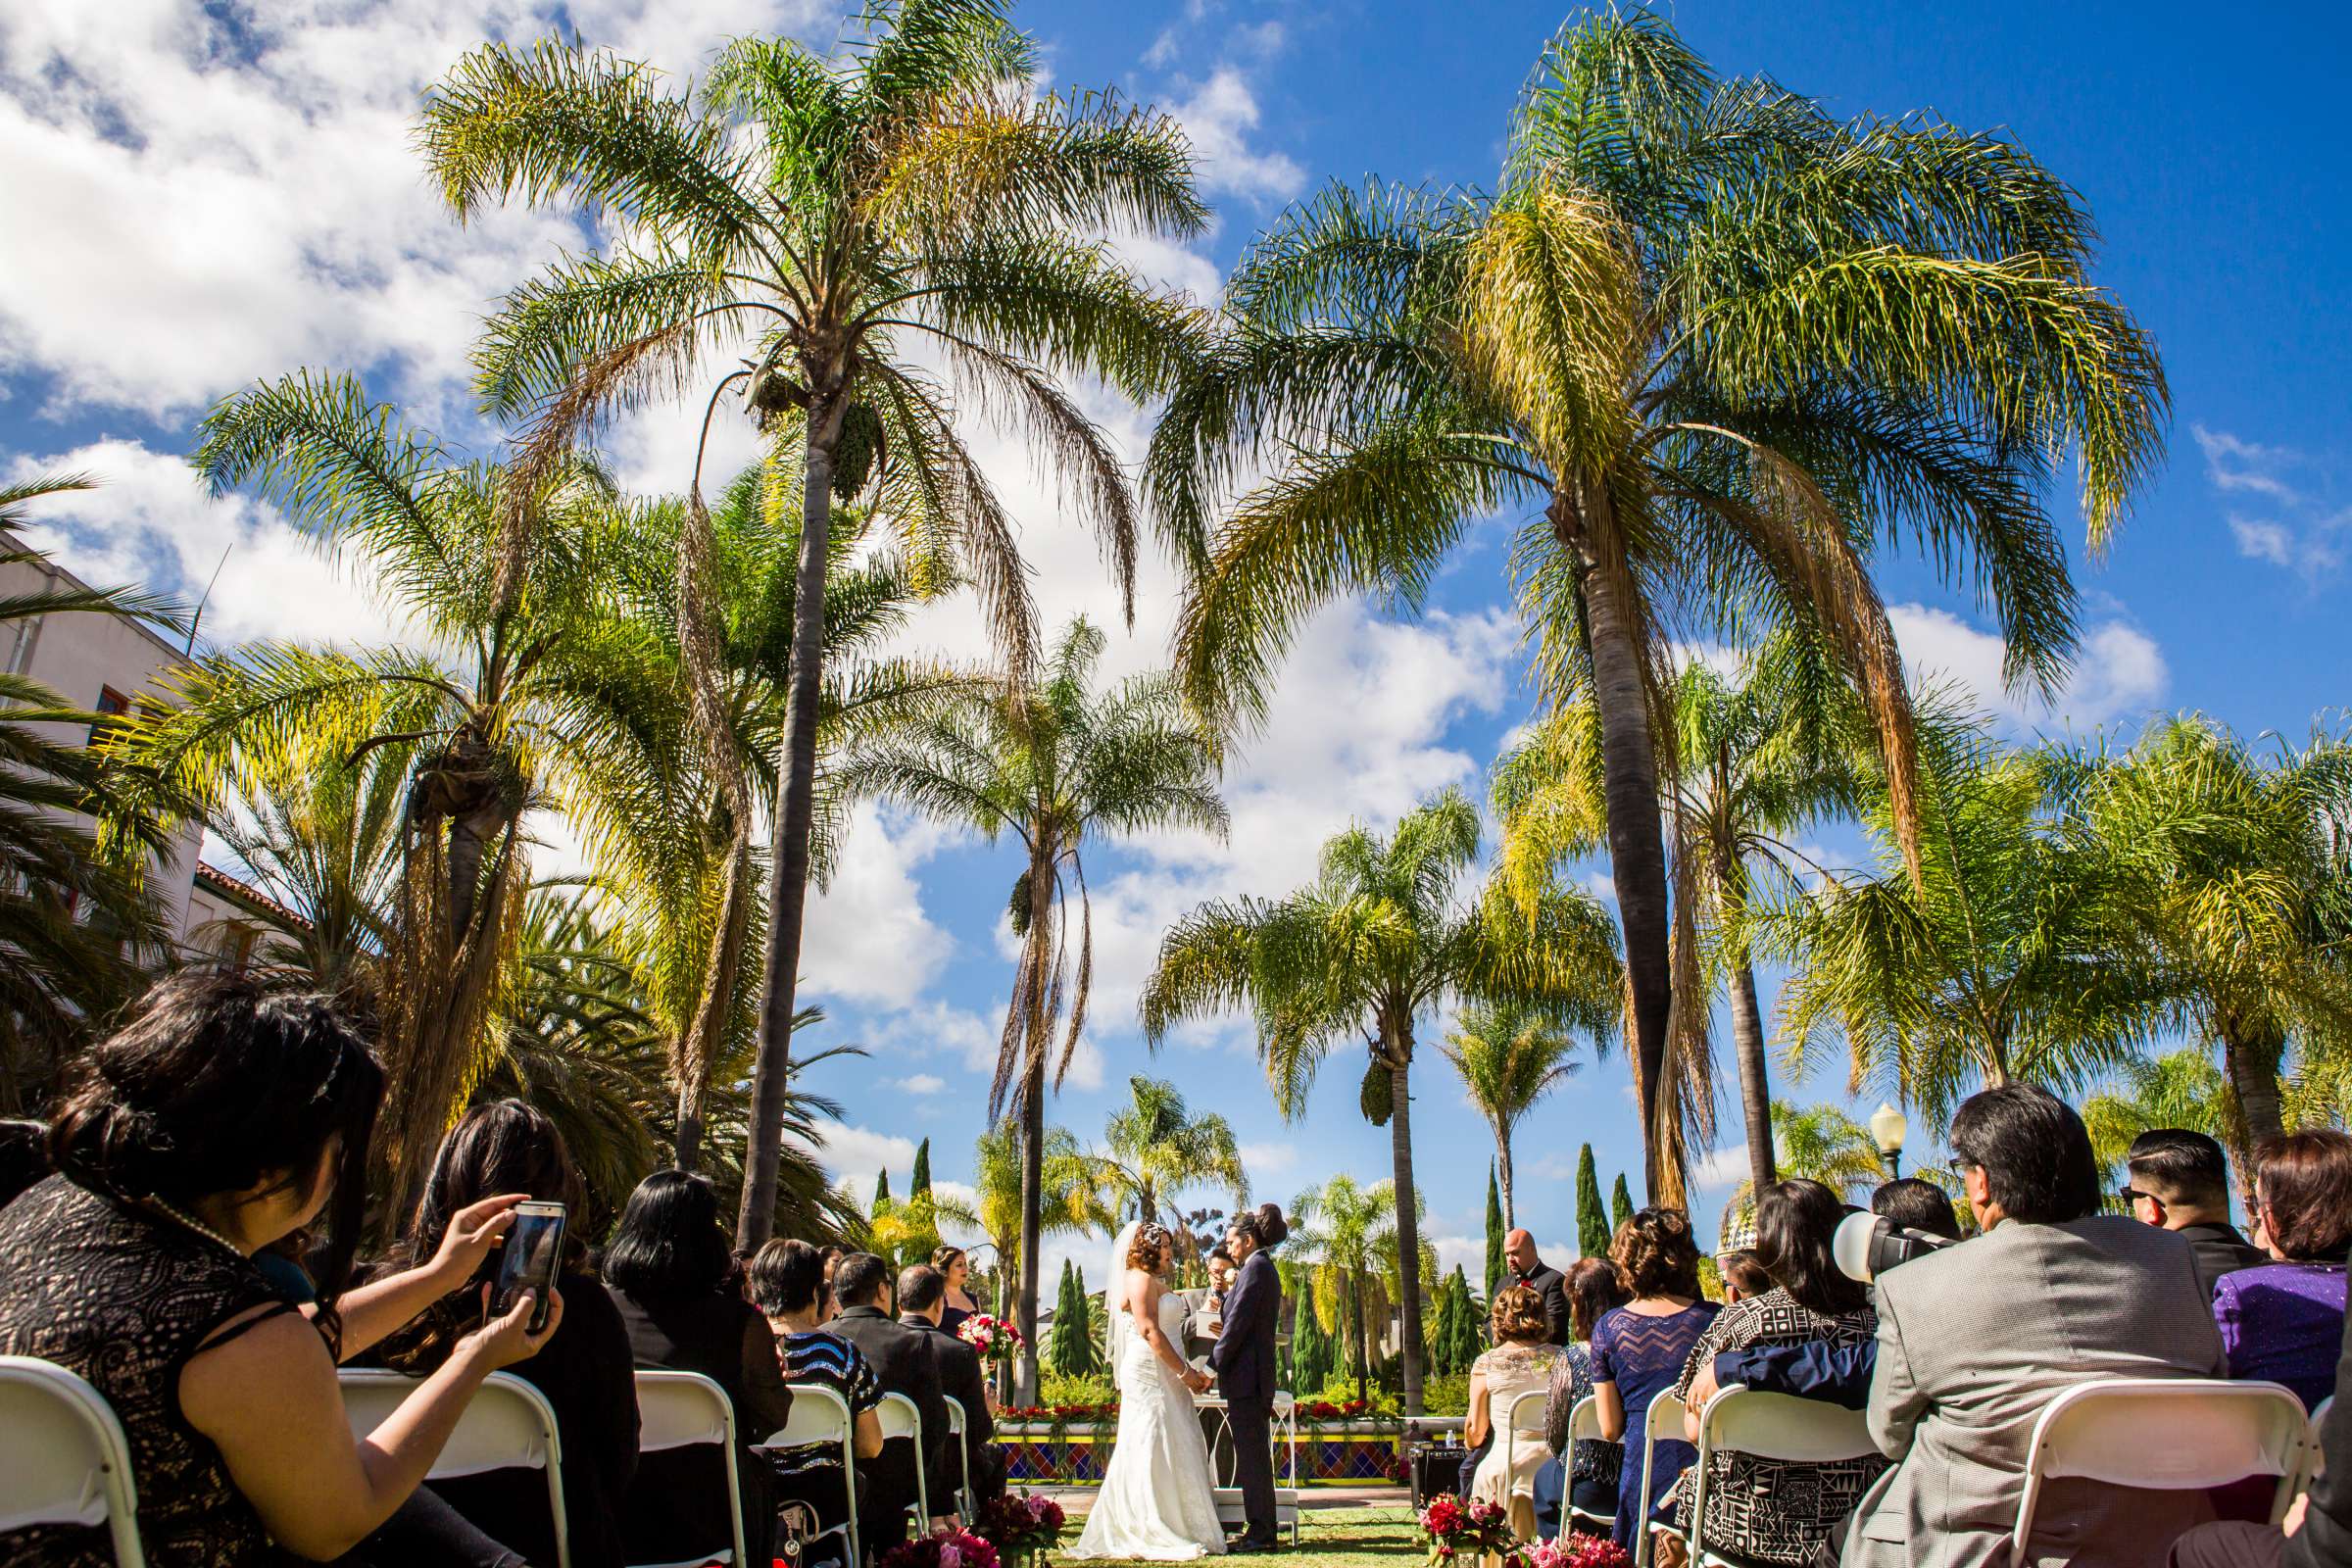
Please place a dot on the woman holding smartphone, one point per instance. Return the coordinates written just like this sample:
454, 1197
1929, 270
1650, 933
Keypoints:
585, 1368
225, 1116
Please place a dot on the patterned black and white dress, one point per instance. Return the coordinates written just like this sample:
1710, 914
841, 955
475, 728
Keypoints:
1774, 1510
125, 1299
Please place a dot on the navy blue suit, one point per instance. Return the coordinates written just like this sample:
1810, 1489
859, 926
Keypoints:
1839, 1374
1244, 1358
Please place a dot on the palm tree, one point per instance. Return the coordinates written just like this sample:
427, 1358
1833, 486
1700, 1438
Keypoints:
481, 709
826, 213
1340, 1234
2179, 1089
1068, 1193
1817, 1143
1056, 765
1510, 1056
1999, 961
1719, 344
1377, 941
1760, 757
2239, 870
1157, 1148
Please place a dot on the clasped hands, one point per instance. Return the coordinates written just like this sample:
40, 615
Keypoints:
1197, 1381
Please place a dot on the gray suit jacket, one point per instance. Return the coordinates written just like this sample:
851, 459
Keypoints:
1973, 1340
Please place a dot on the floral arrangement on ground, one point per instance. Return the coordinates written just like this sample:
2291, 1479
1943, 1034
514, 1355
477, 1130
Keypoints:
945, 1547
1021, 1525
1481, 1532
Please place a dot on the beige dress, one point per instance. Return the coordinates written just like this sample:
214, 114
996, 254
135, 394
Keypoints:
1512, 1370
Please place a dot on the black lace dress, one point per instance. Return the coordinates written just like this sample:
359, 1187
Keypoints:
125, 1299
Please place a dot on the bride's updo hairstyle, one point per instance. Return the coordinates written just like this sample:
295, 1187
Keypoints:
1149, 1245
1263, 1225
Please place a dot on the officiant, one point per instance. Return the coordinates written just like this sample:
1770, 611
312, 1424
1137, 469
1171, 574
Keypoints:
1205, 1320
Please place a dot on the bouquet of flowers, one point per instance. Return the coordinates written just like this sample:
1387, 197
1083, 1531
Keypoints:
946, 1547
1479, 1530
995, 1338
1020, 1526
1573, 1551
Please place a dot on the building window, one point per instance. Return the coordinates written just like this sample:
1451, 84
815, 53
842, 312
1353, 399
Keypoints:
112, 704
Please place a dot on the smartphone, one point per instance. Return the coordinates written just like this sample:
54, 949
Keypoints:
534, 1251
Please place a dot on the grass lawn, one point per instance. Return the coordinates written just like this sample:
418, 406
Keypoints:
1336, 1538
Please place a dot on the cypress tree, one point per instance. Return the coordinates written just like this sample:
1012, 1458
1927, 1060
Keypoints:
1592, 1227
1440, 1334
1071, 1345
1621, 1202
1495, 1255
924, 1242
1311, 1348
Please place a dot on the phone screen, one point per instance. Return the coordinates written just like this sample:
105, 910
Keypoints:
534, 1246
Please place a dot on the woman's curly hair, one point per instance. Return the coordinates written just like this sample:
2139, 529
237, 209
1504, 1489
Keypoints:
1656, 1250
1144, 1253
1518, 1314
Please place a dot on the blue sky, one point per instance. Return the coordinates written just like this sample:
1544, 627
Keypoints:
206, 195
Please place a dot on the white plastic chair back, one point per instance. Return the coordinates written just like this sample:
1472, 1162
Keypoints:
63, 1456
901, 1419
2165, 1435
963, 1459
1521, 1421
1665, 1419
685, 1410
508, 1425
2318, 1466
1770, 1426
821, 1416
1584, 1426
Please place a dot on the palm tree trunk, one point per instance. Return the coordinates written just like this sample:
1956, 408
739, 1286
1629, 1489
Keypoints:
795, 815
1503, 1166
1408, 1223
2250, 1053
1755, 1090
687, 1151
1363, 1345
1637, 841
1033, 1204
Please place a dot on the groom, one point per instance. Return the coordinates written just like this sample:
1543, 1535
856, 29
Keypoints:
1244, 1358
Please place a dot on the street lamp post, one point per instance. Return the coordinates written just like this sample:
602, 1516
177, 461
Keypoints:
1887, 1127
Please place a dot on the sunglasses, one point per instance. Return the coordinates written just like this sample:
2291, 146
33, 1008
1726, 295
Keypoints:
2128, 1194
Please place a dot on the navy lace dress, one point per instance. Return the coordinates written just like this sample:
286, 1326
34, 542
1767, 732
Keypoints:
1643, 1358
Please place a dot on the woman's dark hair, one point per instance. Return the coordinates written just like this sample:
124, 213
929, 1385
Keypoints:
2033, 1149
943, 1259
1741, 1271
1656, 1250
1920, 1205
2305, 1180
24, 1158
1263, 1225
1517, 1315
668, 1244
1795, 1220
503, 1147
1594, 1286
219, 1083
786, 1275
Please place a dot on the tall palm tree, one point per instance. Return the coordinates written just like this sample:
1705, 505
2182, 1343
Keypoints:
1817, 1143
482, 708
1379, 940
1510, 1056
2238, 873
1999, 962
1056, 766
2179, 1089
1761, 757
1340, 1235
1155, 1148
826, 215
1720, 344
1068, 1193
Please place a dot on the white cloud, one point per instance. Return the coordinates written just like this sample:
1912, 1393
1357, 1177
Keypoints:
1260, 1160
2119, 672
853, 1155
2264, 541
867, 938
1219, 115
2303, 536
1722, 1170
2231, 464
921, 1083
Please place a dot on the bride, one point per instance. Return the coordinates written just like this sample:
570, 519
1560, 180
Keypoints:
1157, 1501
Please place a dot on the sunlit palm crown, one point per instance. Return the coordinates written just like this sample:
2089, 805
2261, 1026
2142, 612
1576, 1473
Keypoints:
1156, 1149
822, 215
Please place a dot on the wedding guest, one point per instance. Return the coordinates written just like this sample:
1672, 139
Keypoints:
673, 1280
1521, 1362
2283, 1320
2317, 1532
955, 1266
1742, 1276
787, 1281
903, 1362
1519, 1251
1917, 1206
225, 1116
1768, 1510
1639, 1350
1587, 1473
923, 1298
586, 1370
2180, 1182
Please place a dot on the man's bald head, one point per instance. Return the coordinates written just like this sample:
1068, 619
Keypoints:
1520, 1249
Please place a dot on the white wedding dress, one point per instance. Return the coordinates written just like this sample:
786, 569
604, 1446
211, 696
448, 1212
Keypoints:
1158, 1503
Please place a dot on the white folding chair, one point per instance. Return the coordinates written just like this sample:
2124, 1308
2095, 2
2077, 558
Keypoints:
1769, 1426
901, 1419
63, 1456
1512, 1433
820, 1416
1584, 1426
2318, 1466
683, 1410
966, 1509
1665, 1416
508, 1425
2165, 1435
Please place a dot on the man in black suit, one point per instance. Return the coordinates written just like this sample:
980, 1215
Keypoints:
1244, 1358
922, 1303
1546, 1281
2181, 1182
902, 1361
